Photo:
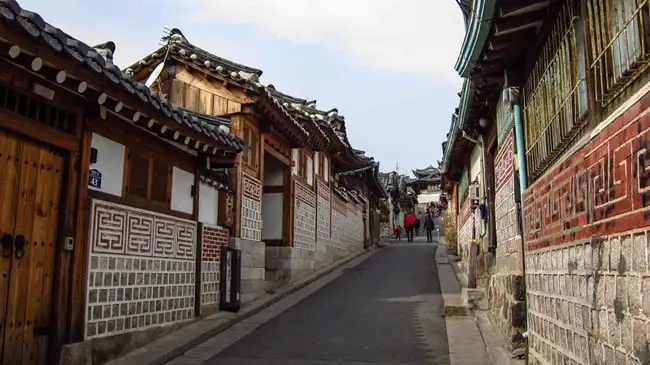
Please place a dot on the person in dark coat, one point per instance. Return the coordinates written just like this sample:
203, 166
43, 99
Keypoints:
417, 226
429, 225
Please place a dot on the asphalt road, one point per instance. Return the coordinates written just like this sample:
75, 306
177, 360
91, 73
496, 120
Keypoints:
387, 310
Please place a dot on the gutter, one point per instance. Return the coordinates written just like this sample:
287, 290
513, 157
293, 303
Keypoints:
457, 123
481, 14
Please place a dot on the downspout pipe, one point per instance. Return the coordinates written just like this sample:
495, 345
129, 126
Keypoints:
513, 94
519, 137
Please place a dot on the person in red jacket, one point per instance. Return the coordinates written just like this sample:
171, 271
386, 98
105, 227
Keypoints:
409, 224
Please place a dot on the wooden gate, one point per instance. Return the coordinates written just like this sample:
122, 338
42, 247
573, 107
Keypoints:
30, 193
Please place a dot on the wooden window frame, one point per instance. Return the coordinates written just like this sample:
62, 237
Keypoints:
147, 199
251, 154
303, 171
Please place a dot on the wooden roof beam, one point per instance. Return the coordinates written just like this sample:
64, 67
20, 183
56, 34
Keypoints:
521, 7
516, 24
506, 41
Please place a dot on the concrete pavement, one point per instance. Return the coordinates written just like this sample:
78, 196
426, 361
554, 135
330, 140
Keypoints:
386, 310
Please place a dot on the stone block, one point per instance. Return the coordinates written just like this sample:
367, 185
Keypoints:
248, 273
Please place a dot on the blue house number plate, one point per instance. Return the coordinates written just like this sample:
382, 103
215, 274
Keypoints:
95, 179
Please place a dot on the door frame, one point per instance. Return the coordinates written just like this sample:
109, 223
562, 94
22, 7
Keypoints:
68, 265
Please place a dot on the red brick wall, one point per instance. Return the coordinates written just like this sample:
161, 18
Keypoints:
213, 239
603, 188
587, 224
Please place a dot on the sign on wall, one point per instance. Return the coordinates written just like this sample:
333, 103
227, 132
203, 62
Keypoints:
95, 179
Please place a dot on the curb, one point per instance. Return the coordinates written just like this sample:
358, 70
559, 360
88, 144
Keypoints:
249, 311
495, 350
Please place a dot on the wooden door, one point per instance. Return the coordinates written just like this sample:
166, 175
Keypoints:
29, 279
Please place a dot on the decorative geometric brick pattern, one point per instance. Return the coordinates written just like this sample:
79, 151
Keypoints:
117, 229
304, 219
504, 162
324, 213
213, 238
251, 210
141, 270
601, 189
587, 265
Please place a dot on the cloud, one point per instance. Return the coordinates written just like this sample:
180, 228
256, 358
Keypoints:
406, 36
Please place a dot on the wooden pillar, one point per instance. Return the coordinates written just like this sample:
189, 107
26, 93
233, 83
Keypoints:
76, 278
199, 242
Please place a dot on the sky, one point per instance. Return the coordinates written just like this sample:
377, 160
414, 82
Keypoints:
387, 65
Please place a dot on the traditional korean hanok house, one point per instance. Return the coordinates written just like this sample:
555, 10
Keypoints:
207, 84
98, 208
567, 85
326, 226
427, 187
363, 184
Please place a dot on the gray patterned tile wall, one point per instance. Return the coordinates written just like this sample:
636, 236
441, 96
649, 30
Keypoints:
141, 270
304, 218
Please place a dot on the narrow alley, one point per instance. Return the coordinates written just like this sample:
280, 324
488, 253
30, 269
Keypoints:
386, 310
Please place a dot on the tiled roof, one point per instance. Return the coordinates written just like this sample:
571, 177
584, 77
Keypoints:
244, 76
99, 61
179, 47
429, 172
331, 122
299, 108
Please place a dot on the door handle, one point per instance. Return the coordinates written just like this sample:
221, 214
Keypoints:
7, 244
19, 245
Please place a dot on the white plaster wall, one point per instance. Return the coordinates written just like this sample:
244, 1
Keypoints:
110, 162
426, 198
182, 200
272, 209
310, 171
208, 204
326, 168
295, 158
476, 164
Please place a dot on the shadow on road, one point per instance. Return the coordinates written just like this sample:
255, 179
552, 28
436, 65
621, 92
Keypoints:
386, 310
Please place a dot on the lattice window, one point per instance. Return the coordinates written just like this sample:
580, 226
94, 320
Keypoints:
505, 120
619, 38
35, 109
555, 92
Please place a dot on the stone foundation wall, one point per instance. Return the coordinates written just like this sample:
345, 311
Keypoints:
326, 229
586, 232
253, 259
506, 293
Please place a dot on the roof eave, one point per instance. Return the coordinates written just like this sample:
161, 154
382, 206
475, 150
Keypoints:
476, 36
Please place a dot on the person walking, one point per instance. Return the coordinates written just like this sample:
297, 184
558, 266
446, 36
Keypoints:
398, 233
429, 225
409, 224
417, 227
